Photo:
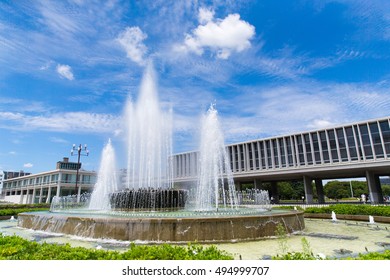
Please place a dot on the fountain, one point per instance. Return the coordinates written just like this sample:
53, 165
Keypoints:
334, 218
147, 207
107, 181
215, 176
371, 219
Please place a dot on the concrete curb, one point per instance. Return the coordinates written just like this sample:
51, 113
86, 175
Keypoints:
364, 218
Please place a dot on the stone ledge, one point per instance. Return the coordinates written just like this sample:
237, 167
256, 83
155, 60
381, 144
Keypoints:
364, 218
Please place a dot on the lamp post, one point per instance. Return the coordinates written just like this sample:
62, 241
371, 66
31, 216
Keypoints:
350, 185
81, 151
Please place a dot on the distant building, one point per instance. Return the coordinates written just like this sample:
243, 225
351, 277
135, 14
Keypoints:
1, 181
42, 187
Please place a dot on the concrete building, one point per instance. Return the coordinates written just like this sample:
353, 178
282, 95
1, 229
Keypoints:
352, 150
42, 187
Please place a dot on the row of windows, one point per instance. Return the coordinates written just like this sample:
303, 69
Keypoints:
366, 141
50, 179
351, 143
185, 164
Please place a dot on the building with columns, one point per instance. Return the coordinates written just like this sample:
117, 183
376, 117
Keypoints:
42, 187
354, 150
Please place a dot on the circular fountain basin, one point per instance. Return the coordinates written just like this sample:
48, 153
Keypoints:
160, 227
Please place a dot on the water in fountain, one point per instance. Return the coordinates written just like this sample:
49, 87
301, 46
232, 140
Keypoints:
334, 218
107, 181
149, 131
215, 186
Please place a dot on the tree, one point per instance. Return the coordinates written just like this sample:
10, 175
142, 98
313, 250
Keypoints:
342, 189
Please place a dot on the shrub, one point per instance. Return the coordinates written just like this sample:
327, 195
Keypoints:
17, 248
351, 210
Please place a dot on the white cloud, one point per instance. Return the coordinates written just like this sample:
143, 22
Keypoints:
132, 41
223, 36
28, 165
205, 15
65, 71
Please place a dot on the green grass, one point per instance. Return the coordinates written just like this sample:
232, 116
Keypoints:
17, 248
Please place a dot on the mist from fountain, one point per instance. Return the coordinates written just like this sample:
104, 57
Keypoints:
215, 186
149, 139
107, 181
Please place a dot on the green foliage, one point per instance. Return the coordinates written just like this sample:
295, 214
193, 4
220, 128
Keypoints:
281, 234
386, 190
351, 209
291, 190
18, 206
342, 189
17, 248
374, 256
307, 253
16, 211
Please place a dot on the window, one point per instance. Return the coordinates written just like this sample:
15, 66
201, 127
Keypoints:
256, 152
376, 139
262, 155
333, 146
282, 152
289, 151
324, 146
268, 150
301, 157
250, 153
316, 148
351, 143
366, 141
275, 153
309, 156
385, 129
342, 144
358, 143
242, 157
231, 157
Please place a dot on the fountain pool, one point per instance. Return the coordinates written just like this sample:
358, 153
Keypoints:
244, 224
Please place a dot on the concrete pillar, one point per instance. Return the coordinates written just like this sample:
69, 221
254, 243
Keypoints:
257, 184
21, 197
33, 196
237, 184
40, 195
320, 191
59, 184
274, 191
374, 187
48, 195
308, 189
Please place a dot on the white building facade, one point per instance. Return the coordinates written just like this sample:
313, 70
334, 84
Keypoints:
42, 187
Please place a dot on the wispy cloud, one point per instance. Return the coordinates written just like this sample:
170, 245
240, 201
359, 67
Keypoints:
55, 139
65, 71
131, 39
68, 122
28, 165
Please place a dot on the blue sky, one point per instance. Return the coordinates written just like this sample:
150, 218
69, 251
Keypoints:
271, 67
